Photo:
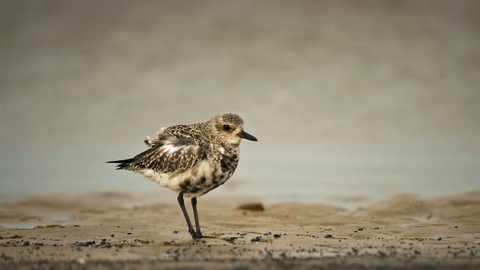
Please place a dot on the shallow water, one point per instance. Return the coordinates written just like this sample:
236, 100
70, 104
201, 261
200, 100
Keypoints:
350, 101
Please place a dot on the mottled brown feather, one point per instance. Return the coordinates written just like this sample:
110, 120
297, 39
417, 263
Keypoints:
168, 153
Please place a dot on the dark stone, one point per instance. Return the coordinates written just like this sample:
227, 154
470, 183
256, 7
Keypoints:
251, 207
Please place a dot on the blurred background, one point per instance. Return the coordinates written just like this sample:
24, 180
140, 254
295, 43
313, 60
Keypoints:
351, 101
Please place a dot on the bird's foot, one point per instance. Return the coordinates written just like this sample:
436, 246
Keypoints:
199, 235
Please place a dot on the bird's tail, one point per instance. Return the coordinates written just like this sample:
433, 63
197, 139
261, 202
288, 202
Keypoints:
124, 163
136, 162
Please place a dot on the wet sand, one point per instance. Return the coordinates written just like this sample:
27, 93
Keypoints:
114, 230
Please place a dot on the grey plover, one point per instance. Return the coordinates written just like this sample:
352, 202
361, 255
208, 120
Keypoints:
191, 159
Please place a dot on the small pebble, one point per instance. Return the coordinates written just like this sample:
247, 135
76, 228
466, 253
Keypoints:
251, 207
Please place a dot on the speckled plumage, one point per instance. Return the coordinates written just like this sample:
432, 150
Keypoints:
191, 159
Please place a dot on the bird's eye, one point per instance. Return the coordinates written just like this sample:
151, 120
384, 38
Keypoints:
226, 127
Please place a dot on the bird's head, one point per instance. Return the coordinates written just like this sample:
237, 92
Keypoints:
228, 128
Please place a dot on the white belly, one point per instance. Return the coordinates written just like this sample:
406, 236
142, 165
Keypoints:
173, 180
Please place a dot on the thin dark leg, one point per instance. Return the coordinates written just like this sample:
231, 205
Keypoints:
189, 224
197, 223
195, 214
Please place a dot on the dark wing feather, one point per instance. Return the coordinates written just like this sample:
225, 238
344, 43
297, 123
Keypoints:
166, 154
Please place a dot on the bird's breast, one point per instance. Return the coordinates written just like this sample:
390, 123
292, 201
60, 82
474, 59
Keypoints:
200, 179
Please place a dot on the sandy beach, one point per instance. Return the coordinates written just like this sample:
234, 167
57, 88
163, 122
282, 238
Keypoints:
107, 231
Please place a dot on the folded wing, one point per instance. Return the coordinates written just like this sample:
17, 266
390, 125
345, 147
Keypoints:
167, 154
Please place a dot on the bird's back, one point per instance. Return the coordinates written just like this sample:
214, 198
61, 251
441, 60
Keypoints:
175, 150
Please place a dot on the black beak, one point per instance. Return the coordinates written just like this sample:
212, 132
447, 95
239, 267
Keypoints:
247, 136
